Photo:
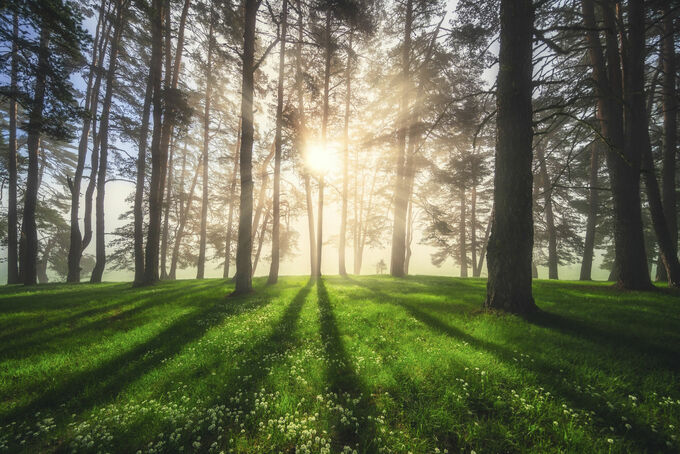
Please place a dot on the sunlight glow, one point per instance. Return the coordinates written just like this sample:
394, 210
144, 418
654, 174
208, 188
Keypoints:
322, 161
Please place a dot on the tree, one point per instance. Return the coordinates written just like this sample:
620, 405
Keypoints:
244, 267
12, 243
276, 209
510, 246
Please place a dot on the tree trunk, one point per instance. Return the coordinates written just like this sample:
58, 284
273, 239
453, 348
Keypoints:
345, 161
462, 235
232, 190
183, 216
200, 273
12, 222
400, 197
100, 263
549, 216
244, 267
166, 208
140, 183
591, 222
151, 274
637, 137
670, 139
482, 253
473, 229
324, 139
623, 161
509, 254
260, 240
29, 230
276, 221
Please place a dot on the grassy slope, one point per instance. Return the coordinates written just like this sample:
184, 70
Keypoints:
370, 363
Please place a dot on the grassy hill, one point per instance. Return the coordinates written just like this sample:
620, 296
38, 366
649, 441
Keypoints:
371, 364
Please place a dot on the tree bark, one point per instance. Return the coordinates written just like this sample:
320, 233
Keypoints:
462, 235
553, 261
324, 139
591, 222
12, 218
232, 190
623, 160
509, 253
139, 186
29, 230
200, 273
276, 221
260, 240
400, 197
100, 263
345, 161
166, 208
244, 267
670, 126
637, 137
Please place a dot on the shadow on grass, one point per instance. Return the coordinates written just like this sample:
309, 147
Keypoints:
558, 381
81, 390
63, 332
344, 381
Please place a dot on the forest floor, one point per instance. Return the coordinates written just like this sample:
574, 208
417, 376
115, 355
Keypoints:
371, 364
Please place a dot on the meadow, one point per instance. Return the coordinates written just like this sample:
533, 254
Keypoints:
351, 365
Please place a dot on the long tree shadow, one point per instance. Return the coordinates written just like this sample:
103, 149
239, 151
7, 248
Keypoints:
61, 333
559, 381
84, 389
344, 381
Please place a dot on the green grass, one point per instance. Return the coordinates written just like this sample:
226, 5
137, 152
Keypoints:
371, 364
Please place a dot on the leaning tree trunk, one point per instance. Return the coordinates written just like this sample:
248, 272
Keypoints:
549, 216
29, 230
510, 246
400, 196
591, 222
637, 135
183, 217
244, 249
100, 263
345, 161
12, 222
276, 209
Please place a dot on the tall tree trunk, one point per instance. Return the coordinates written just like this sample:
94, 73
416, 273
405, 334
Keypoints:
400, 197
75, 243
301, 137
29, 230
244, 266
637, 137
409, 235
345, 161
623, 162
462, 254
510, 246
549, 215
276, 221
324, 139
356, 225
591, 222
140, 183
232, 190
185, 212
100, 263
165, 120
473, 228
200, 273
670, 139
12, 223
485, 243
166, 209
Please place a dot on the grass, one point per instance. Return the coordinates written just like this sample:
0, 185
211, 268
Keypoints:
369, 364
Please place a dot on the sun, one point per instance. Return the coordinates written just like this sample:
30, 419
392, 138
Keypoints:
321, 160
